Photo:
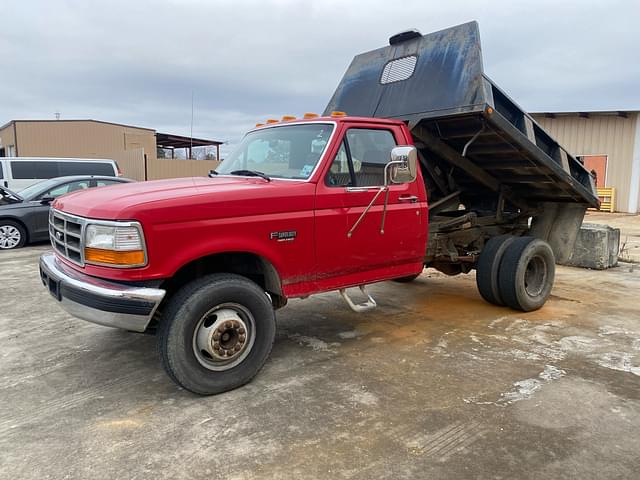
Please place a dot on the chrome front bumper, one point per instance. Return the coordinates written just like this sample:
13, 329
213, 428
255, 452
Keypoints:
99, 301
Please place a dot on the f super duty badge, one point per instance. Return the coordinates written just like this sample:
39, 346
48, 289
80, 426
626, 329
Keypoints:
289, 236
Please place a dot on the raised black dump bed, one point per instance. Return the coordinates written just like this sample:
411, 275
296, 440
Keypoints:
489, 167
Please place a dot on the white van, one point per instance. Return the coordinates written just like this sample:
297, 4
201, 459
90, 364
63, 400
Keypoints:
17, 173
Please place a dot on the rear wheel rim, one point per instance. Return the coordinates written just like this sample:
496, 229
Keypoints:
535, 276
224, 336
10, 236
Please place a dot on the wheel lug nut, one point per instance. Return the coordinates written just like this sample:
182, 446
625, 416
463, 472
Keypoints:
241, 330
237, 347
228, 325
242, 337
216, 336
216, 346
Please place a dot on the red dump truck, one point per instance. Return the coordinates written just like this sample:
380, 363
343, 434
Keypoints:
328, 203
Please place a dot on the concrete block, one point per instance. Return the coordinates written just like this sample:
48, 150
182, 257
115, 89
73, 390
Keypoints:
596, 247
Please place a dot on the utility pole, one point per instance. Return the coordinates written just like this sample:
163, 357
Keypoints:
191, 145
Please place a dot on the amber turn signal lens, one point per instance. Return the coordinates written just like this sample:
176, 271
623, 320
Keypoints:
114, 257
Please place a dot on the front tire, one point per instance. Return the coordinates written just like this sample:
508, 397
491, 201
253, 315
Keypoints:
12, 235
526, 275
216, 333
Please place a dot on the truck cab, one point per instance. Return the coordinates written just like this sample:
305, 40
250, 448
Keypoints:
301, 207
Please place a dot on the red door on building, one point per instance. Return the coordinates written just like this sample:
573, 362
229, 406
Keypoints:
597, 164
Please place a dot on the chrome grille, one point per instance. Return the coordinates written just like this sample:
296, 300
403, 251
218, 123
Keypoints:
66, 234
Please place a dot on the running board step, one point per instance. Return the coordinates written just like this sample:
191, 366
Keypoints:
370, 304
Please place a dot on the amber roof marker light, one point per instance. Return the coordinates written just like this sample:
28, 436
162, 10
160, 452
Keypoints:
309, 115
338, 114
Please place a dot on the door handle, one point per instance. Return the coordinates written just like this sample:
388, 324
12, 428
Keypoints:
408, 198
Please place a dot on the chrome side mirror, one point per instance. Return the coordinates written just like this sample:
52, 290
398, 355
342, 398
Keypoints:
403, 167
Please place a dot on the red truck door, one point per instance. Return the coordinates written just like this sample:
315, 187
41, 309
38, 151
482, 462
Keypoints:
349, 183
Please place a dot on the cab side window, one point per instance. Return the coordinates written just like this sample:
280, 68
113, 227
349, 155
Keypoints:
361, 159
104, 183
340, 173
66, 188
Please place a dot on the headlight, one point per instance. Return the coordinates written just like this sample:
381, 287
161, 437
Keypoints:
118, 246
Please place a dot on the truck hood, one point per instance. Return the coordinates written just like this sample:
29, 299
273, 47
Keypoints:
182, 199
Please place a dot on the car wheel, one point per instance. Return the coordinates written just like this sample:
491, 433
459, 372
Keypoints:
488, 267
216, 333
12, 235
526, 274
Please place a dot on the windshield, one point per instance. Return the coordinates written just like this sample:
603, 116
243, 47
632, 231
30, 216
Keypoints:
290, 151
36, 189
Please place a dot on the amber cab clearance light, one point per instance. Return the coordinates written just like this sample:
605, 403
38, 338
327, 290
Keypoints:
272, 120
114, 257
338, 114
259, 124
288, 118
310, 115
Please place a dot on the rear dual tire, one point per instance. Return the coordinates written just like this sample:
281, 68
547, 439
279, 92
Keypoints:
517, 272
488, 266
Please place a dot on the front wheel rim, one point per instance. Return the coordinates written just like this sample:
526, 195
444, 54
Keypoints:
10, 236
224, 336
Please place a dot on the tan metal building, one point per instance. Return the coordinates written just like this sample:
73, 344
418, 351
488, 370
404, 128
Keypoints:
609, 144
134, 148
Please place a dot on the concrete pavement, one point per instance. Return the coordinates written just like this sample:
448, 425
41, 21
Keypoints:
435, 383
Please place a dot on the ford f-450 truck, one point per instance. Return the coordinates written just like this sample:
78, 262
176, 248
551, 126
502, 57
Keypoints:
328, 203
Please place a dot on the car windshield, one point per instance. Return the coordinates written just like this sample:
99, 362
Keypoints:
32, 191
288, 151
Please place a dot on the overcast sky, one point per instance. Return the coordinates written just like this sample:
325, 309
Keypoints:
138, 62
